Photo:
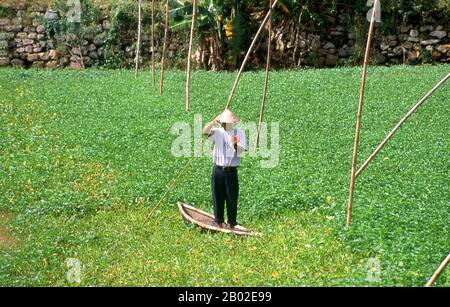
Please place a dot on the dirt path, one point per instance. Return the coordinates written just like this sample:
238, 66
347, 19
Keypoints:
6, 239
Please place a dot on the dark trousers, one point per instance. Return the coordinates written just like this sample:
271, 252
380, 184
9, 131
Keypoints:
225, 187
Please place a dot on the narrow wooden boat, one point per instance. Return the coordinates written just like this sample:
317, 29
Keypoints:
206, 221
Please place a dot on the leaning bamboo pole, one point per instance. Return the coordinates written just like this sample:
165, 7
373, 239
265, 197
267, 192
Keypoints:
153, 41
247, 56
136, 68
358, 118
188, 66
438, 272
171, 186
394, 130
266, 77
166, 32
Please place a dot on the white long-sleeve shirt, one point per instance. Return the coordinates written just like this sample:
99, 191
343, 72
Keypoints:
224, 153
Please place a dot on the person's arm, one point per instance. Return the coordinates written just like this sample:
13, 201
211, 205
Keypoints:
208, 127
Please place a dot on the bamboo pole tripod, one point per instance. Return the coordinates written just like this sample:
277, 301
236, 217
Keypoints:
266, 77
166, 33
394, 130
138, 46
438, 272
354, 171
188, 66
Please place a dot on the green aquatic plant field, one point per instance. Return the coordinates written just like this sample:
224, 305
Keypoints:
84, 156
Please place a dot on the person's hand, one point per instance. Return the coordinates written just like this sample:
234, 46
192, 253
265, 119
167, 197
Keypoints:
216, 120
235, 139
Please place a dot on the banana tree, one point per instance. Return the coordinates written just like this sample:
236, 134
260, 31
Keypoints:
208, 21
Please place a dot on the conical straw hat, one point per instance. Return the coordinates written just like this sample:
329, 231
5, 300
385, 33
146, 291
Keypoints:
228, 117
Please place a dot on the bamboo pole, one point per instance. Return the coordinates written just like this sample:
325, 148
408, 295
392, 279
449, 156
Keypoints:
136, 69
266, 77
153, 42
166, 31
389, 136
358, 118
188, 68
177, 179
438, 272
247, 56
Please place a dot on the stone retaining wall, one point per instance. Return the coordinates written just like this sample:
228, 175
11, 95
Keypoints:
24, 42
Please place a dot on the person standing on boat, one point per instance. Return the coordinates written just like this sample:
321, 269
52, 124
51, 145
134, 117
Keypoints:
229, 144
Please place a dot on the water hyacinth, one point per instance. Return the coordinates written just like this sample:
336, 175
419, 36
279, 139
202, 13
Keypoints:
85, 155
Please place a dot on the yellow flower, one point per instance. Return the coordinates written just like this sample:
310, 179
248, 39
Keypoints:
283, 8
329, 200
229, 30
